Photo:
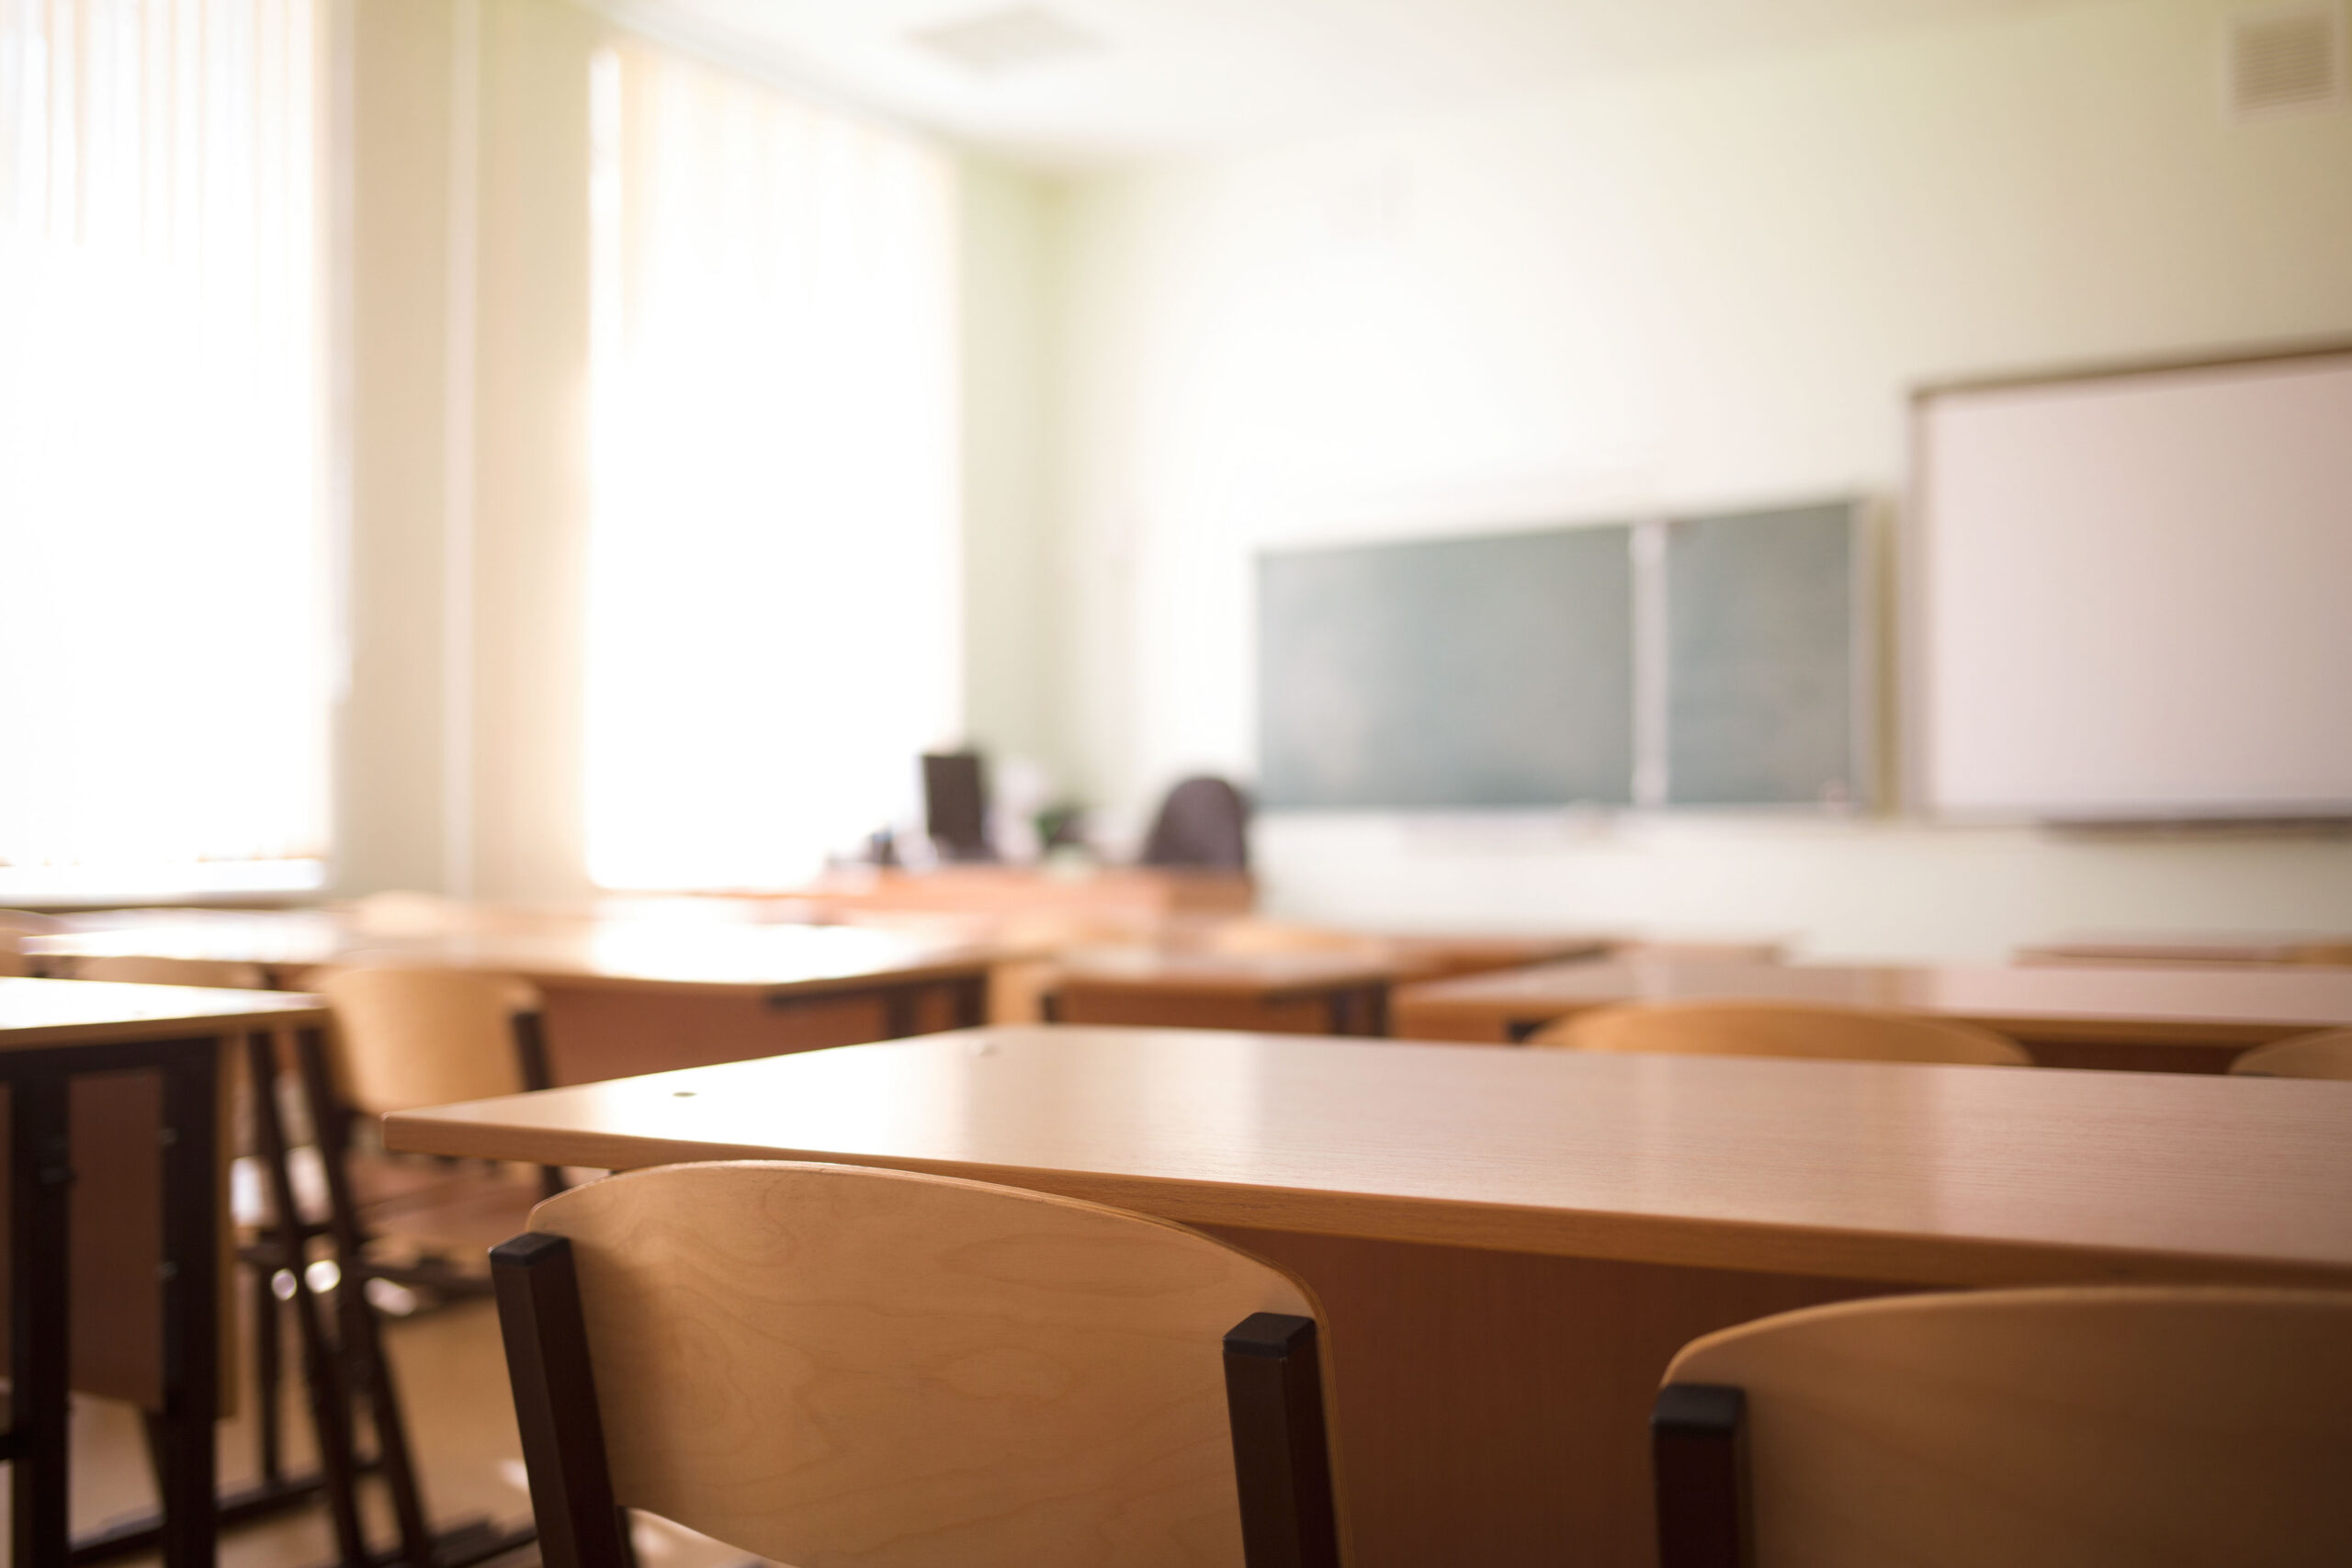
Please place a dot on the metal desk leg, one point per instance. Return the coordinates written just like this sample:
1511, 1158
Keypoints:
38, 1180
972, 1002
191, 1303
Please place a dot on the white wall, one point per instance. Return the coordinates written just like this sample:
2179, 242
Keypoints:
1711, 286
459, 757
387, 776
1006, 266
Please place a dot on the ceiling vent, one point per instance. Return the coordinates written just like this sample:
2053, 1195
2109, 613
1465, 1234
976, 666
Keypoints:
1010, 40
2286, 59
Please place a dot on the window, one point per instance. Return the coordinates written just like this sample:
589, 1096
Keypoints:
773, 602
164, 608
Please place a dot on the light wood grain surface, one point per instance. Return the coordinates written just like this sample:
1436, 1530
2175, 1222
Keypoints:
67, 1012
1007, 889
1511, 1243
1817, 1031
827, 1364
2192, 947
2047, 1428
1264, 977
1863, 1170
2213, 1011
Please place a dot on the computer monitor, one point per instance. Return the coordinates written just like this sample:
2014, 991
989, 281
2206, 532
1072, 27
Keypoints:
955, 805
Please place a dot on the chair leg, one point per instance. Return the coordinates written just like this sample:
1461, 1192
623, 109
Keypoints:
362, 1340
531, 1055
1282, 1456
1699, 1463
321, 1373
268, 1369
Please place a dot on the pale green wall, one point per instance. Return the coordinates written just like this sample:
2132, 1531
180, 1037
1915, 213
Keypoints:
1011, 583
1702, 288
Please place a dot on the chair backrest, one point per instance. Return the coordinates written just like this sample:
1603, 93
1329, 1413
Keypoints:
2029, 1428
31, 922
12, 954
400, 911
419, 1036
221, 974
2326, 1055
1249, 934
843, 1365
1779, 1029
1204, 822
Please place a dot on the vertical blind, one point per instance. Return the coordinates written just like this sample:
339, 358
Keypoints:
164, 608
774, 603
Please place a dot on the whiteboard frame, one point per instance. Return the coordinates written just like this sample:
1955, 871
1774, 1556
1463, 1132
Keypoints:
1914, 599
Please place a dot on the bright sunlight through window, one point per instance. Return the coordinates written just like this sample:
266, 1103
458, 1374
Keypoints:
773, 611
164, 603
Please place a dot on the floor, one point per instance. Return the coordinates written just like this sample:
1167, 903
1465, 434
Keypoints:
452, 1377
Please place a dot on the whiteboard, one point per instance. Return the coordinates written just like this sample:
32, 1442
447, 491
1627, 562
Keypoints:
2131, 594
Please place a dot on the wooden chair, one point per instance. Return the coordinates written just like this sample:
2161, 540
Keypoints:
1779, 1029
2041, 1428
2326, 1055
412, 1036
406, 1037
851, 1366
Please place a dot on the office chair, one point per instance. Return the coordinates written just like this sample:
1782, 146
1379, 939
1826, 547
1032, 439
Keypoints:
1204, 823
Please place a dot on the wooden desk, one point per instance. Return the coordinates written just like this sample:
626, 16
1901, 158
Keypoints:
1150, 892
1412, 955
1509, 1246
624, 996
2189, 948
2193, 1021
1289, 993
99, 1226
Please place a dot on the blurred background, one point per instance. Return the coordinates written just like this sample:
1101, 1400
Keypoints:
523, 449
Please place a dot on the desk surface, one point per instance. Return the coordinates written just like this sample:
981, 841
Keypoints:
1265, 976
2193, 947
631, 952
1010, 889
2142, 1005
35, 1013
1938, 1175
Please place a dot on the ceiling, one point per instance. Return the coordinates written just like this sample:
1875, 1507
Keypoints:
1112, 80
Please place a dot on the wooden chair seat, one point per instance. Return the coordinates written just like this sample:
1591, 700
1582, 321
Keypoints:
854, 1366
2041, 1428
1779, 1029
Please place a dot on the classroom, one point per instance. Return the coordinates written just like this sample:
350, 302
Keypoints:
1348, 782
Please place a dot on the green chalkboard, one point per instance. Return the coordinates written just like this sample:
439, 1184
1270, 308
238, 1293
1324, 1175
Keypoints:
1488, 671
1764, 661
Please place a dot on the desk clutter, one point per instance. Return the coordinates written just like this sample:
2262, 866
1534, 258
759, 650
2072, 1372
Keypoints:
1688, 1174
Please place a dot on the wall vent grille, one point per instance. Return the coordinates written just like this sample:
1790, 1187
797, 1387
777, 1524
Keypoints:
2286, 59
1009, 39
